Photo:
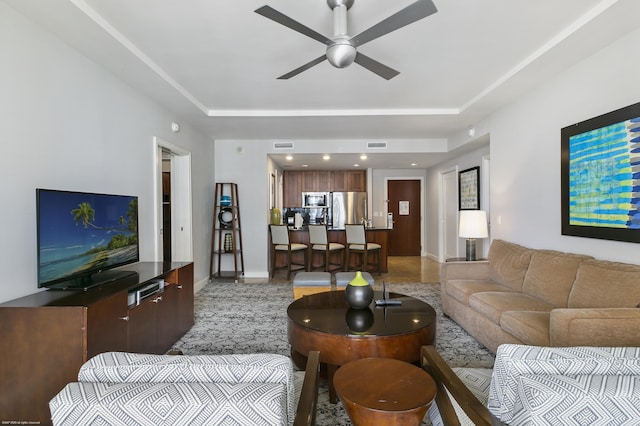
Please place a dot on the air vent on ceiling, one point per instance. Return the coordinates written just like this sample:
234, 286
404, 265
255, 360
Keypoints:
283, 145
376, 145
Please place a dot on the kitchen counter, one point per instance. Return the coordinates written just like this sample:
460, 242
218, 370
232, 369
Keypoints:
305, 228
374, 235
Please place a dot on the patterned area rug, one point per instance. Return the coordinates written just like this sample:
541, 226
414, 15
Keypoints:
252, 318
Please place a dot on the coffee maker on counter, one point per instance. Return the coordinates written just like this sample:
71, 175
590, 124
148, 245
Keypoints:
310, 215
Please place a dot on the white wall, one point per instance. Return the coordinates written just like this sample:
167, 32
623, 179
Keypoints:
245, 163
432, 190
525, 160
68, 124
525, 149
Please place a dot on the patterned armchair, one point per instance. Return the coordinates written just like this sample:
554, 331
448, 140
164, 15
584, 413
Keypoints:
532, 385
119, 388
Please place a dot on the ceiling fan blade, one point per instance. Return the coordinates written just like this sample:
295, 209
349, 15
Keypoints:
302, 68
375, 66
274, 15
410, 14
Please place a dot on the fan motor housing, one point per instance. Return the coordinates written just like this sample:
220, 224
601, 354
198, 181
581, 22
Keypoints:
333, 3
341, 53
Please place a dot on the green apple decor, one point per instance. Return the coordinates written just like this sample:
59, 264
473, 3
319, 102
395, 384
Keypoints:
359, 292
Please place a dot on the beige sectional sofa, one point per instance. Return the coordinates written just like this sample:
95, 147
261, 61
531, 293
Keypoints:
543, 298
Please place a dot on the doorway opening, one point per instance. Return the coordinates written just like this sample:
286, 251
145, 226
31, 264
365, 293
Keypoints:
173, 203
449, 241
404, 196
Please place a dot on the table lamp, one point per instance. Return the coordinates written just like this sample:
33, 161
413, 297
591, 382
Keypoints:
473, 224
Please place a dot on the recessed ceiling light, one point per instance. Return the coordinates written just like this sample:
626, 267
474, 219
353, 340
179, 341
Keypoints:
289, 157
304, 165
326, 157
413, 164
363, 157
356, 165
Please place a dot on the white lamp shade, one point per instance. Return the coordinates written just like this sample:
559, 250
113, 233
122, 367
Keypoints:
473, 224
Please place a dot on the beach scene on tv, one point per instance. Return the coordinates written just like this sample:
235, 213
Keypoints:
81, 232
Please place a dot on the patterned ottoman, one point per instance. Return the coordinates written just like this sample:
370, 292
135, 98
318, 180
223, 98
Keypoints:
118, 388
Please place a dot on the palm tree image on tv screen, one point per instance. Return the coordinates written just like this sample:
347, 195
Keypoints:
80, 233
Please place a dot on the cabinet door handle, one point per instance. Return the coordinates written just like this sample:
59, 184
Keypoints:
157, 299
125, 318
179, 286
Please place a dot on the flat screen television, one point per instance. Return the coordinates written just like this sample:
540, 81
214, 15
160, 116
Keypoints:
82, 236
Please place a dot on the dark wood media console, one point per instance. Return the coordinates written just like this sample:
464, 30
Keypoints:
47, 336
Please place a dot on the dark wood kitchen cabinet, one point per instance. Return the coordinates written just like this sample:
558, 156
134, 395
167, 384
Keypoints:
316, 180
48, 335
339, 181
292, 188
357, 180
296, 182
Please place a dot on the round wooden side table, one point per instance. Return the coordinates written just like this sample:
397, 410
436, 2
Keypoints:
384, 391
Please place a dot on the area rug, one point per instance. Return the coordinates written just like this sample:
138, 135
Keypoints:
252, 318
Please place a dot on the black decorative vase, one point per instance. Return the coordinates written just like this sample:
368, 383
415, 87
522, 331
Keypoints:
359, 320
359, 292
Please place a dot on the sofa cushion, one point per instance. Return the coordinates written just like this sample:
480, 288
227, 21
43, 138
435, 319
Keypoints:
527, 326
491, 304
170, 404
462, 289
604, 284
508, 263
550, 276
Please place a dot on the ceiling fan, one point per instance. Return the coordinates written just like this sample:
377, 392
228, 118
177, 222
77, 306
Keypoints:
341, 49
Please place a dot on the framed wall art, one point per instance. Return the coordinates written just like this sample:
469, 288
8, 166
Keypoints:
469, 189
600, 176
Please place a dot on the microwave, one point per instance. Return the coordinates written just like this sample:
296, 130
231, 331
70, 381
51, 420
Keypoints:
315, 199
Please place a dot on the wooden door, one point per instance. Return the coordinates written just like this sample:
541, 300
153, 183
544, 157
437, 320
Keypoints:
107, 326
142, 327
167, 319
185, 299
404, 203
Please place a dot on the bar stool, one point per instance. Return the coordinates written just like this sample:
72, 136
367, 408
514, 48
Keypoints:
319, 243
357, 243
280, 244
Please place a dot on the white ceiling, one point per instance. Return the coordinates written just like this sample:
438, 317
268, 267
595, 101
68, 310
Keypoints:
215, 63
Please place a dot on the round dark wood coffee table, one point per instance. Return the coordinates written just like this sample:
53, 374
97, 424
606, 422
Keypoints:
324, 322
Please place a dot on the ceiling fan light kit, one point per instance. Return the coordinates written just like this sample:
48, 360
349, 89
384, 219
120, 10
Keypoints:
342, 50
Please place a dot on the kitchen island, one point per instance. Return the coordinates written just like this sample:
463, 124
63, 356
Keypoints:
374, 235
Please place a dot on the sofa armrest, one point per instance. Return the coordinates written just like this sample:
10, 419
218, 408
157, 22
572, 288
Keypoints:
595, 327
513, 362
308, 403
447, 380
607, 399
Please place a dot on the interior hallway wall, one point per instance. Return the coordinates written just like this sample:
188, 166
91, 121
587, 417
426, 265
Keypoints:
70, 125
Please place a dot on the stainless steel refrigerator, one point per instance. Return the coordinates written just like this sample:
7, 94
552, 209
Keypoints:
348, 208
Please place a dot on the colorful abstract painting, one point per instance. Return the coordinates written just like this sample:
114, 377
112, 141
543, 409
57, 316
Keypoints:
604, 176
